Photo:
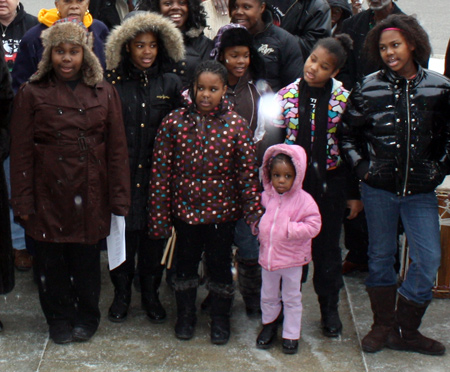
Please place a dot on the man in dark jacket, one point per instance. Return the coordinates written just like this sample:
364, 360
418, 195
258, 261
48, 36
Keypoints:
307, 20
6, 252
110, 12
358, 27
14, 22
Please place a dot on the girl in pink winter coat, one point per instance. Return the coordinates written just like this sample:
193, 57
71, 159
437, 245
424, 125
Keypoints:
291, 221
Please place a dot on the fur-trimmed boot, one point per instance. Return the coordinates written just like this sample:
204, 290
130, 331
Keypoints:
150, 298
405, 335
249, 280
221, 301
118, 310
331, 323
382, 301
185, 295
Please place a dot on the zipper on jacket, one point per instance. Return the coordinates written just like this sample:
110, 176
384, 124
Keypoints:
269, 255
408, 139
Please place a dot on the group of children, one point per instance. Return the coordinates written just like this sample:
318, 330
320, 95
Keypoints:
195, 161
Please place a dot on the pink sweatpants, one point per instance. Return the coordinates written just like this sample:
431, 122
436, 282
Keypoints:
290, 295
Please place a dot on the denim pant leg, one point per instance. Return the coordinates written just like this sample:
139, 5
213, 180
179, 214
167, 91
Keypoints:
246, 242
420, 219
17, 231
382, 213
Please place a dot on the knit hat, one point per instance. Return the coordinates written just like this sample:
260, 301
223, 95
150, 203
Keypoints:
234, 34
69, 30
229, 35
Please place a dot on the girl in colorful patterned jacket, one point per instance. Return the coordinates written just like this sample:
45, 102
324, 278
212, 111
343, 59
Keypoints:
204, 179
311, 109
291, 221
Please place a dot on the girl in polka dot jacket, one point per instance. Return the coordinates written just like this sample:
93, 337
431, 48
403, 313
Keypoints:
204, 179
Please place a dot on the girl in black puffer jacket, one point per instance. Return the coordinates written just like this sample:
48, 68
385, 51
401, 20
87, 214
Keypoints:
139, 54
397, 138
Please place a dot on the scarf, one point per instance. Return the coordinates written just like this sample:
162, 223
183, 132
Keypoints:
50, 16
312, 135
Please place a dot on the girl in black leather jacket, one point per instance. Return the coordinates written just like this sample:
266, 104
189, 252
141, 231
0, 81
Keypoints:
396, 135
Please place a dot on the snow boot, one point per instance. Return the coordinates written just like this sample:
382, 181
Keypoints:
150, 298
185, 295
382, 301
405, 335
331, 323
221, 301
118, 310
249, 280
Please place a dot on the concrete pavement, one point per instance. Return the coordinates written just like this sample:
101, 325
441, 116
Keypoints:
137, 345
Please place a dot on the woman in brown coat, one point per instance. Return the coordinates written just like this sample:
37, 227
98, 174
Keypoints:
69, 172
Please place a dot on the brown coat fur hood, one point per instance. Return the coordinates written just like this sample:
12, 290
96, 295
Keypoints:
136, 23
68, 31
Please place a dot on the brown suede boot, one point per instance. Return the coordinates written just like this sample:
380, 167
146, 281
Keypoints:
405, 335
382, 300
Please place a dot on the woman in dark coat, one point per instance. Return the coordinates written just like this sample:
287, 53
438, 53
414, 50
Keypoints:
6, 252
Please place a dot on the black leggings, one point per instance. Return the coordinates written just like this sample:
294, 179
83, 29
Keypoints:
213, 239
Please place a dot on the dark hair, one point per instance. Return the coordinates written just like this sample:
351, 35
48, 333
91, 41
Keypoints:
411, 30
231, 4
339, 46
241, 37
280, 158
213, 67
196, 15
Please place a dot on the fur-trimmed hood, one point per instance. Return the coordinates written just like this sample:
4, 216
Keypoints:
69, 31
136, 23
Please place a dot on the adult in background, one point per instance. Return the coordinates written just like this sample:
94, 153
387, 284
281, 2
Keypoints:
30, 48
189, 17
307, 20
340, 11
14, 23
281, 53
6, 252
111, 12
357, 27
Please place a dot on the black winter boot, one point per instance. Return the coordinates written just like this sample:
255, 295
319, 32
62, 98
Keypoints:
331, 323
118, 310
406, 336
185, 295
221, 301
382, 301
150, 298
249, 279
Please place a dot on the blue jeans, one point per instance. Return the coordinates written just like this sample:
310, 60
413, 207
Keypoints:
246, 242
419, 214
17, 231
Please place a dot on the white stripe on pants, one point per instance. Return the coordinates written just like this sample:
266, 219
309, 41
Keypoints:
290, 295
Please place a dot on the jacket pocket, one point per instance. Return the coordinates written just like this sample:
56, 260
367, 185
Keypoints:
381, 172
426, 175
